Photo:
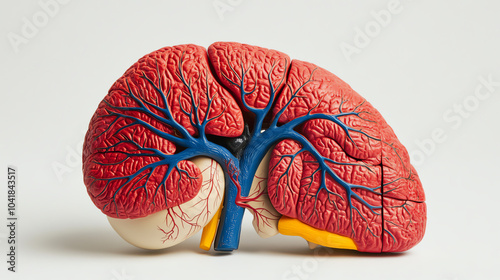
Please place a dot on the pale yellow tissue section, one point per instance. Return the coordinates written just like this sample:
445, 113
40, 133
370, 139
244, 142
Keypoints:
171, 226
294, 227
266, 219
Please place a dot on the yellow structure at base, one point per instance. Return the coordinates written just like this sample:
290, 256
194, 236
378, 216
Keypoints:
294, 227
208, 234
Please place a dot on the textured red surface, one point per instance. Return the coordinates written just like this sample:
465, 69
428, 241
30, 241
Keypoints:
130, 202
256, 65
373, 158
388, 214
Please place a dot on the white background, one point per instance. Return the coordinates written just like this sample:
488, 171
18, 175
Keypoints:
427, 59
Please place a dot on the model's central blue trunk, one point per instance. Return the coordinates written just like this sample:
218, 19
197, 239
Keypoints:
228, 235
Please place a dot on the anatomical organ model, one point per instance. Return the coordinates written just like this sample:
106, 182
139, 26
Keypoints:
187, 139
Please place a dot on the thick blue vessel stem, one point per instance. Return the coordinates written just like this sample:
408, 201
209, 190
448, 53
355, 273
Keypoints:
228, 232
228, 235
